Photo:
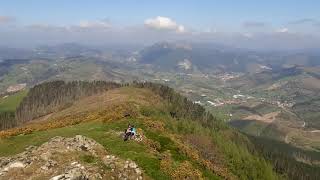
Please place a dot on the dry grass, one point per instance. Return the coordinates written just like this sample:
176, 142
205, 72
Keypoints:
202, 149
183, 170
111, 105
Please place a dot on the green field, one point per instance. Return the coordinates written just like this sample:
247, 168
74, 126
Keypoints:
10, 103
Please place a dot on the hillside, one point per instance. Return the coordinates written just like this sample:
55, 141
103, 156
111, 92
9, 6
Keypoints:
291, 94
175, 145
179, 140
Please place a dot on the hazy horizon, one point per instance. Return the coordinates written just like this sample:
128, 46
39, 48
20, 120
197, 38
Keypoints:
269, 25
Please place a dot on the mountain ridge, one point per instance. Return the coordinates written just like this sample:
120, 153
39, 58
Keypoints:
159, 124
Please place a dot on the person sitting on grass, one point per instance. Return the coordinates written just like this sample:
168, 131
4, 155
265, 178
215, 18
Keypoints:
133, 132
127, 133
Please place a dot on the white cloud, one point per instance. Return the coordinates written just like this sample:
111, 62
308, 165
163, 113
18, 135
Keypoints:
103, 32
95, 24
181, 29
282, 30
164, 23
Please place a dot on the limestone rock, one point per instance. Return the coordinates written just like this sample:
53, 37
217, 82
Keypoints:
57, 159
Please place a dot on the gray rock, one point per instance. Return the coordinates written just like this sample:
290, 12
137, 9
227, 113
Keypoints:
138, 171
132, 165
73, 170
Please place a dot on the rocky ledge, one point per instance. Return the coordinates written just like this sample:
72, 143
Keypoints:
76, 158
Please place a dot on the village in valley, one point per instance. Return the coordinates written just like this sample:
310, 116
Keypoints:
211, 91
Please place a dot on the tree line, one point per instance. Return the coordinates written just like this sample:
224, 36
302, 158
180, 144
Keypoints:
283, 158
7, 120
52, 96
180, 107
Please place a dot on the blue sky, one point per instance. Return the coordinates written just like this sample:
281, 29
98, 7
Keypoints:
204, 13
229, 18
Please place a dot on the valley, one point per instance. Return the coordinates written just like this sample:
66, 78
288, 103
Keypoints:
267, 101
228, 89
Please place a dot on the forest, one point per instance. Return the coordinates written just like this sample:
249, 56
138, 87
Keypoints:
283, 157
50, 97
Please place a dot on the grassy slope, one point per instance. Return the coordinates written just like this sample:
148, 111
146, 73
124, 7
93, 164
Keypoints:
10, 103
95, 130
169, 137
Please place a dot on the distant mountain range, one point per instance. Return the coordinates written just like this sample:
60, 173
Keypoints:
212, 58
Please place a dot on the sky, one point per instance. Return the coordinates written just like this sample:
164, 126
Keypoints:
287, 24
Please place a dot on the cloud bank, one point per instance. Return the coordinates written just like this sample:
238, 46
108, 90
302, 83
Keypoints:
257, 35
164, 23
282, 30
105, 23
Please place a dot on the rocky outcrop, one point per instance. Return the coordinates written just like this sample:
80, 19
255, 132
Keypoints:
77, 158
